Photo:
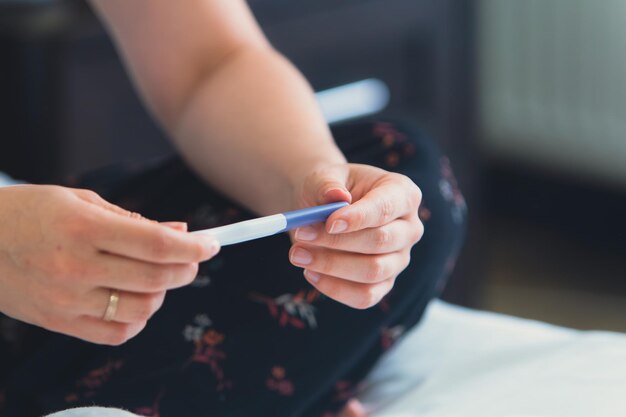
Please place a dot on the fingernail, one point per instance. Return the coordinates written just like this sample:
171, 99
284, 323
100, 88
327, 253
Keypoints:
334, 189
214, 248
307, 233
211, 245
301, 257
312, 276
180, 226
338, 226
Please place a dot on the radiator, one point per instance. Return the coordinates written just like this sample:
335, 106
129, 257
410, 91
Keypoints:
552, 85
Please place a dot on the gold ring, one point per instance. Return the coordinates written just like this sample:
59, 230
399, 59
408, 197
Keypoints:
114, 300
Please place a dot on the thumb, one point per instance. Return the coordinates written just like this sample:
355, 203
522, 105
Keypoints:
334, 194
328, 187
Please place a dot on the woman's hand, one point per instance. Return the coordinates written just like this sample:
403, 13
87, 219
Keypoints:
63, 250
356, 256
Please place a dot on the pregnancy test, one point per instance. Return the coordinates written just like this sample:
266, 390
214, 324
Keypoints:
271, 225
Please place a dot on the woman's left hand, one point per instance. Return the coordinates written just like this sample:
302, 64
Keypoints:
357, 254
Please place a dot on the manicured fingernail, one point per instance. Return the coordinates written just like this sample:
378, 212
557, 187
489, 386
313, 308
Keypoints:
338, 226
307, 233
180, 226
211, 245
214, 248
301, 257
334, 189
312, 276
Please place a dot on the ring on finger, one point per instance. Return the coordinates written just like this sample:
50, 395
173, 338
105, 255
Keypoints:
111, 310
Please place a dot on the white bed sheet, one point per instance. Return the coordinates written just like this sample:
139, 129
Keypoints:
5, 180
461, 362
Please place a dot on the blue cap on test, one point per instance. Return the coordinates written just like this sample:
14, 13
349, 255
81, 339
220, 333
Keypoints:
311, 215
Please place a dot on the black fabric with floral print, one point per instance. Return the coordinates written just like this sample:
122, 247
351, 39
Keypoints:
250, 337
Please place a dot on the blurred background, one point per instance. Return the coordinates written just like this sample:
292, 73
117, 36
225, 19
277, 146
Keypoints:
527, 97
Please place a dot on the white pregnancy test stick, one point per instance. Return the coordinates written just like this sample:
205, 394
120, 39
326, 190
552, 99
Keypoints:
271, 225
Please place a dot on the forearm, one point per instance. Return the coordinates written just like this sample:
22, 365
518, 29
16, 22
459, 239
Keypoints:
240, 113
252, 128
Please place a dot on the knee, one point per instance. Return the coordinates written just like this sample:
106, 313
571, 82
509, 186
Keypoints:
392, 145
399, 146
93, 412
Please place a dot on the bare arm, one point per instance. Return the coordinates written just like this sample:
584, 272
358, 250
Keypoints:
240, 113
248, 122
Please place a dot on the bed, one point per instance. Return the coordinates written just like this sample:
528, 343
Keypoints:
461, 362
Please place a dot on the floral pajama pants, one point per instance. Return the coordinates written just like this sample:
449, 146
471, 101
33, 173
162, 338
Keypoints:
250, 336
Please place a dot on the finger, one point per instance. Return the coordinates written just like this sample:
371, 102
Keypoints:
151, 242
391, 237
326, 185
349, 266
131, 307
180, 226
93, 198
335, 194
393, 198
98, 331
352, 294
131, 275
353, 408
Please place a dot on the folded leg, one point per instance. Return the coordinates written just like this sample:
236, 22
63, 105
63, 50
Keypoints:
250, 336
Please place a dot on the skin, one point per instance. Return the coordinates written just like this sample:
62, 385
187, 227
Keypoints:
62, 250
228, 100
247, 121
354, 408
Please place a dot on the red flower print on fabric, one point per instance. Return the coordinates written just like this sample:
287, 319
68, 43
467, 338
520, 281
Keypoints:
390, 335
71, 398
147, 412
392, 159
424, 214
394, 141
388, 134
207, 348
97, 377
344, 390
86, 387
295, 310
153, 410
384, 304
277, 381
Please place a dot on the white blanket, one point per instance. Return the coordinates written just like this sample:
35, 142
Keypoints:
465, 363
461, 362
5, 180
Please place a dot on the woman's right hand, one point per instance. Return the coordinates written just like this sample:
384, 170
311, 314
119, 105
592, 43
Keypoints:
63, 250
